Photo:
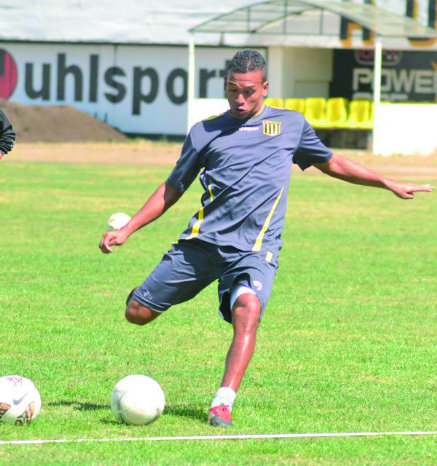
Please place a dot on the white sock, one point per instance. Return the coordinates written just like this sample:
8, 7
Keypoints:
224, 396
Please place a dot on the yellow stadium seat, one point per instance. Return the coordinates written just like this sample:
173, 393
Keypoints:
278, 103
295, 104
336, 111
369, 123
315, 112
360, 115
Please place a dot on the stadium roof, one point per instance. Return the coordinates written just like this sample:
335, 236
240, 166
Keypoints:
272, 17
145, 22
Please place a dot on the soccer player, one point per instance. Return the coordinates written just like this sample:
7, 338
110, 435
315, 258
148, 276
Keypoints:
7, 135
245, 157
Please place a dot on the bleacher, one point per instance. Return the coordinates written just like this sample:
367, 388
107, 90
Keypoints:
338, 121
335, 112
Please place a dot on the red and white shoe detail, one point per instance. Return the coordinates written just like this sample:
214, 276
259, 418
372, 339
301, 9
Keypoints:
220, 416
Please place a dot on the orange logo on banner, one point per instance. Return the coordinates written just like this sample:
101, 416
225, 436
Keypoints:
351, 27
415, 16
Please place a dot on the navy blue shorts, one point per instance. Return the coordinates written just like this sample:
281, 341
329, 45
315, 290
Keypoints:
191, 265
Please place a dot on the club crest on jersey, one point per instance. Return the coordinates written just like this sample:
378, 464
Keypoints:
271, 128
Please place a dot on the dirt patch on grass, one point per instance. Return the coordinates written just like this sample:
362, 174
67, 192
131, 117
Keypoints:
142, 152
57, 123
132, 153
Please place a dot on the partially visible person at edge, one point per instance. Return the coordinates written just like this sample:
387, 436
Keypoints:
245, 157
7, 135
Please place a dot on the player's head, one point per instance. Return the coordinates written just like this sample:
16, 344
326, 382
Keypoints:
246, 83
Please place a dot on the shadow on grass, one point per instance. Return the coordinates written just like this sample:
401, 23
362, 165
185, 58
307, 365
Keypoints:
174, 410
78, 406
185, 411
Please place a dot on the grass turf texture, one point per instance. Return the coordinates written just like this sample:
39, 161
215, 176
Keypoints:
347, 343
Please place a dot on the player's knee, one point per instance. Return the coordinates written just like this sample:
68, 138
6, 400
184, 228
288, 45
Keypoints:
131, 314
246, 313
138, 314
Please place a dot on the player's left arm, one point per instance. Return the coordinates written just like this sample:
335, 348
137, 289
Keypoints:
348, 170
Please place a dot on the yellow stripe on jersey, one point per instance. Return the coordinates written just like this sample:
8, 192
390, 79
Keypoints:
200, 216
213, 116
196, 227
260, 237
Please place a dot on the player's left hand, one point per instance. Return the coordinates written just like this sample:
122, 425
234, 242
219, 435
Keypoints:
407, 190
1, 155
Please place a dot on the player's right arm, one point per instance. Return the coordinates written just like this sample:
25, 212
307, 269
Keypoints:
160, 201
186, 170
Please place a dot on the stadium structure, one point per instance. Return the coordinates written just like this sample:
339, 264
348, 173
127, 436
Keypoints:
359, 71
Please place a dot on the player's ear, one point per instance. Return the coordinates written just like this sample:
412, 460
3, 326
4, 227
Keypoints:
265, 88
225, 83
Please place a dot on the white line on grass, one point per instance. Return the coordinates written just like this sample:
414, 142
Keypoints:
218, 437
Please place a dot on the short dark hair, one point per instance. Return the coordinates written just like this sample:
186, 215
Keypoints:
245, 61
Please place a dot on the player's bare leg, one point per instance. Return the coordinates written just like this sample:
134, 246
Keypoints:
245, 319
138, 314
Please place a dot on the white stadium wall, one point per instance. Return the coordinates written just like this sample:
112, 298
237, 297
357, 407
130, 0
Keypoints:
299, 71
408, 129
137, 89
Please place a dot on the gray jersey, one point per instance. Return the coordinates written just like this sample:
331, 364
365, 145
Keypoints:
246, 167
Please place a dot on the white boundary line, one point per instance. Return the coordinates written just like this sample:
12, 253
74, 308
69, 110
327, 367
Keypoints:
217, 437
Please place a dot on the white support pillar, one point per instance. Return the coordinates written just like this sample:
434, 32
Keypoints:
377, 70
191, 81
276, 71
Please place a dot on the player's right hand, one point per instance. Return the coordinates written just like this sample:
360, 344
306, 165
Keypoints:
112, 238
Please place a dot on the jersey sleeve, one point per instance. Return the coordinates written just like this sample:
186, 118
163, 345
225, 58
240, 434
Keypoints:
7, 134
187, 167
311, 149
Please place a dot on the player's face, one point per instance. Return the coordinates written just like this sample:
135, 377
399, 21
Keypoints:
245, 93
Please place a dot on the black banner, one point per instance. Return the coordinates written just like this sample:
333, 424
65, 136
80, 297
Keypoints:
406, 76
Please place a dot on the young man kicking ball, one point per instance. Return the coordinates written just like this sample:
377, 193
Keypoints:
245, 157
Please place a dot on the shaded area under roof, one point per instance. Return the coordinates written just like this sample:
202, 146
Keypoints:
272, 17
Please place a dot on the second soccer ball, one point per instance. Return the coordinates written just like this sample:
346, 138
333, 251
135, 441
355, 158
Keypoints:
137, 399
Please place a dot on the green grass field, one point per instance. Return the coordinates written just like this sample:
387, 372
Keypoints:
348, 342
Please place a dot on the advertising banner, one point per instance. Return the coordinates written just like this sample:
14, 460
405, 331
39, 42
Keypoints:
137, 89
406, 76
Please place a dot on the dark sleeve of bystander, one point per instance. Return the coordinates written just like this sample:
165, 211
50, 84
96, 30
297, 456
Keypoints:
7, 135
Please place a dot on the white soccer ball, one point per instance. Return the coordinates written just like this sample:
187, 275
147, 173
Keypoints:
137, 399
117, 221
20, 401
